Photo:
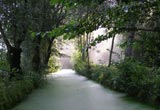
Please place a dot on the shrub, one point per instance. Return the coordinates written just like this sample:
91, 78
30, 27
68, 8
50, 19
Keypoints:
131, 75
13, 91
53, 66
79, 65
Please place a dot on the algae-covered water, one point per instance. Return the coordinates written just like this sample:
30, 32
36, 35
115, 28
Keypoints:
66, 90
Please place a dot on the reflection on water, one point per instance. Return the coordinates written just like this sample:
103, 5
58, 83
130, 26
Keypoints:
67, 91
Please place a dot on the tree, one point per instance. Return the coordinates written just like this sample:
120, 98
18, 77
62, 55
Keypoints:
52, 16
30, 20
13, 29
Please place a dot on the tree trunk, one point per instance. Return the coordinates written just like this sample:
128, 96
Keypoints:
129, 49
111, 51
42, 52
14, 60
14, 56
36, 55
13, 53
49, 50
88, 42
83, 47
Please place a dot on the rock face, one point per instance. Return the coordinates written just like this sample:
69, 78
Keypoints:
99, 54
66, 63
67, 50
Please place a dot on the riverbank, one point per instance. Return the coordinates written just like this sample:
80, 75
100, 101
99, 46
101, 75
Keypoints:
129, 77
14, 91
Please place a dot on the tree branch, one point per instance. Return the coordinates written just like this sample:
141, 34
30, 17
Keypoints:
4, 37
139, 29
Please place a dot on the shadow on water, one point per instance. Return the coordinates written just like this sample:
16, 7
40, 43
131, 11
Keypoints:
66, 90
134, 100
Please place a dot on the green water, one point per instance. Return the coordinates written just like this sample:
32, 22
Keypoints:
67, 91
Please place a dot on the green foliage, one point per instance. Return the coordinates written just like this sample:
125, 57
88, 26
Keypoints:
131, 74
104, 75
4, 65
79, 64
3, 58
70, 3
13, 91
99, 73
53, 65
123, 17
149, 45
139, 81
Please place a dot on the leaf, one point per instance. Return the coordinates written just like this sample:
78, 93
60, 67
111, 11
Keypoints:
33, 34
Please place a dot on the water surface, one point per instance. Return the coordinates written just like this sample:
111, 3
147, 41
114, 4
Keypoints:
66, 90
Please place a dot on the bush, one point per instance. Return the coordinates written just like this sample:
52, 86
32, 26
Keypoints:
139, 81
13, 91
131, 75
79, 65
53, 66
101, 74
